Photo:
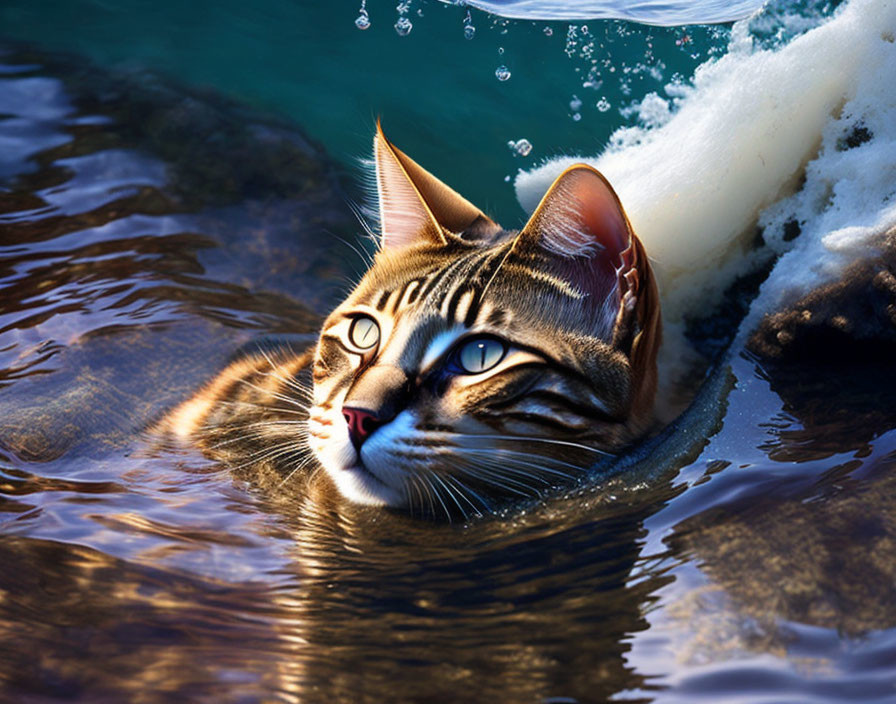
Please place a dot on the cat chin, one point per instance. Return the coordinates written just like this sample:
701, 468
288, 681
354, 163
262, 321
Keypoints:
360, 486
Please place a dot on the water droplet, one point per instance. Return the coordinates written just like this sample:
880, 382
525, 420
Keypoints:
603, 104
521, 147
502, 73
469, 29
548, 32
403, 26
363, 21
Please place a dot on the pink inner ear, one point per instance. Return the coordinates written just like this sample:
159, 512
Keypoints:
404, 218
581, 225
581, 215
600, 212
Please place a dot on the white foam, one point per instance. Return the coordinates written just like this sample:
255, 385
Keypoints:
658, 12
739, 138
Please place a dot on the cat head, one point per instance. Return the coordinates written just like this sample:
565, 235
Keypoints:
472, 362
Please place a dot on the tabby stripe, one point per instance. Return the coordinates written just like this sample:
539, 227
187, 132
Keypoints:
540, 420
383, 300
412, 296
547, 396
455, 300
437, 278
484, 275
399, 300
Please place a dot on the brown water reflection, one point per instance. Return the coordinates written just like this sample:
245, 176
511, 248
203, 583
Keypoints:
136, 258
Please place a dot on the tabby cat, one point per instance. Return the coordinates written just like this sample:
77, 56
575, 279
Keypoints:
471, 363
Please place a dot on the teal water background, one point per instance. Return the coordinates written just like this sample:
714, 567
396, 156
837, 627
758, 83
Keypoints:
435, 90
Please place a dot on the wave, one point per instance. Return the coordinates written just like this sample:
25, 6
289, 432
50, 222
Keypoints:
656, 12
796, 144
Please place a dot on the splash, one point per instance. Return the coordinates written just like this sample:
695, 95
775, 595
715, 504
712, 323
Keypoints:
762, 137
656, 12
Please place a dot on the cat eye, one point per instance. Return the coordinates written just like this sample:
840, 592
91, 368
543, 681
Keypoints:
480, 355
364, 332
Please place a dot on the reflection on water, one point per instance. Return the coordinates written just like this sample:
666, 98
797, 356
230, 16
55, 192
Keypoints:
137, 257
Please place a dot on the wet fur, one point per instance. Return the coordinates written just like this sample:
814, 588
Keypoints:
577, 309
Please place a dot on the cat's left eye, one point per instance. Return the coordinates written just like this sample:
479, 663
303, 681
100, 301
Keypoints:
364, 332
480, 354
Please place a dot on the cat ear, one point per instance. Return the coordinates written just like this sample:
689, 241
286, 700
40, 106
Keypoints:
580, 233
415, 206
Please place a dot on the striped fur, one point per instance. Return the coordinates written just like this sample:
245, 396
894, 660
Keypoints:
570, 297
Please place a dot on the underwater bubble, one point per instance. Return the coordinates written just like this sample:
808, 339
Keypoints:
363, 21
502, 73
575, 104
403, 26
576, 116
521, 147
469, 29
603, 104
548, 32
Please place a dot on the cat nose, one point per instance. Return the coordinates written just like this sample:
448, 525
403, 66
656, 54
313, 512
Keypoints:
360, 423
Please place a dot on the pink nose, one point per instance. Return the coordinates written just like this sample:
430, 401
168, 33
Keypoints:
360, 423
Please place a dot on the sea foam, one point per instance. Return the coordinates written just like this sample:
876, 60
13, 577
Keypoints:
797, 139
658, 12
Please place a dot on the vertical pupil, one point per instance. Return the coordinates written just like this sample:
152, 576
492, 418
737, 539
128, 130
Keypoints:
364, 332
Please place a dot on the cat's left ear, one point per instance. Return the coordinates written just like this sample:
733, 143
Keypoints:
414, 205
581, 234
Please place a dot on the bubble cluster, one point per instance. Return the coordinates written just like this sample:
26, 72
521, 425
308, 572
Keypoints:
521, 147
363, 20
469, 29
502, 73
403, 25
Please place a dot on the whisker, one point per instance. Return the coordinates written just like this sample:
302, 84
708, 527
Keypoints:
495, 454
302, 463
289, 381
522, 438
495, 477
268, 392
259, 406
450, 494
462, 491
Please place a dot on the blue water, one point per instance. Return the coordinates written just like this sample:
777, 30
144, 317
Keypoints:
174, 183
435, 90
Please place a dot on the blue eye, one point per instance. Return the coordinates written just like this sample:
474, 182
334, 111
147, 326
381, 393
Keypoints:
364, 332
480, 354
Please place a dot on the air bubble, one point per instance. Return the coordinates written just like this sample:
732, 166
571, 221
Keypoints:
502, 73
521, 147
548, 32
469, 29
603, 104
403, 26
363, 20
575, 104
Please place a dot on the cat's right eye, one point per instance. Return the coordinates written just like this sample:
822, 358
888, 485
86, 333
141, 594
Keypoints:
364, 332
481, 354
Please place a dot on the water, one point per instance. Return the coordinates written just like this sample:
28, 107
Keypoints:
150, 226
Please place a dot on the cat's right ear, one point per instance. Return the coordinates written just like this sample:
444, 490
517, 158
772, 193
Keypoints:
415, 206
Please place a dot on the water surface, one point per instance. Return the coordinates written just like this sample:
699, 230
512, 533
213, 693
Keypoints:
148, 230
